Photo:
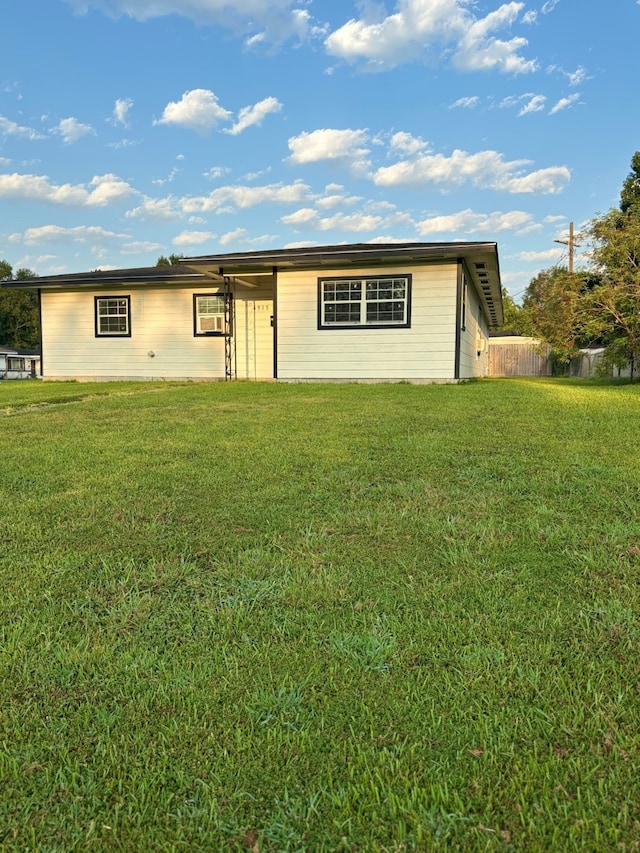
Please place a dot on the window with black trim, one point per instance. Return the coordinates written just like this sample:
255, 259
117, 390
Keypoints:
364, 302
208, 314
15, 363
113, 316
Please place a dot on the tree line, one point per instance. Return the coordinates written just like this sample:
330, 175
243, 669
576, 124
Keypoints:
599, 304
19, 315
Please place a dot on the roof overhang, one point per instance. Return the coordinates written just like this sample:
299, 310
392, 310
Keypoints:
480, 260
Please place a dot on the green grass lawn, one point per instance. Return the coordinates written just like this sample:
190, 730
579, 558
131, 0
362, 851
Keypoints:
320, 618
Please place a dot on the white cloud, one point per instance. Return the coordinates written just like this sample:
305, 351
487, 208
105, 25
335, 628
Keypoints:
193, 238
534, 105
172, 174
249, 116
236, 236
530, 17
483, 170
71, 130
138, 247
468, 222
10, 128
544, 255
221, 200
578, 76
405, 143
480, 51
465, 103
121, 112
564, 103
91, 234
104, 190
198, 110
215, 172
241, 198
353, 222
549, 6
240, 236
348, 147
273, 20
157, 209
420, 28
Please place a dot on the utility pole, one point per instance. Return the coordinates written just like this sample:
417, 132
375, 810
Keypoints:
571, 243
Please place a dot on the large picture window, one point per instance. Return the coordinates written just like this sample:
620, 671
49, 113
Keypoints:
364, 302
208, 314
113, 316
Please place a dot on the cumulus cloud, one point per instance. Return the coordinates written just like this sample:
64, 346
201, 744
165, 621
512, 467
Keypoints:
101, 191
193, 238
226, 199
121, 112
347, 147
198, 110
352, 222
71, 130
544, 255
564, 103
11, 128
137, 247
241, 197
406, 143
469, 222
91, 234
483, 170
465, 103
249, 116
430, 28
259, 20
534, 105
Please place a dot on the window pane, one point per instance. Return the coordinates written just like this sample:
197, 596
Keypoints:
113, 316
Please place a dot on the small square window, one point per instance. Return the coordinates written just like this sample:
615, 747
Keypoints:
209, 314
113, 316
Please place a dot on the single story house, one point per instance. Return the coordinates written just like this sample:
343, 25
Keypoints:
19, 363
416, 312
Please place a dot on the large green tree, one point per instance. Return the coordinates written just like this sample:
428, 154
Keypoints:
516, 318
19, 316
554, 305
630, 193
612, 308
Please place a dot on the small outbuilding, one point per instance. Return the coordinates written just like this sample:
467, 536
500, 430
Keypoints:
416, 312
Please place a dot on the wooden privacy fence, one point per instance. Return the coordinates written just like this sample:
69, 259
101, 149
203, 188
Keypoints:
514, 356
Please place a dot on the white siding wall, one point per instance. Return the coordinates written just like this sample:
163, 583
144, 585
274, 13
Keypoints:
161, 323
425, 351
474, 338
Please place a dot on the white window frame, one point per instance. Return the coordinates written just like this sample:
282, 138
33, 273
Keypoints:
356, 302
122, 312
215, 318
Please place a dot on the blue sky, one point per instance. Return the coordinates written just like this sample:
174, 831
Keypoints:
134, 128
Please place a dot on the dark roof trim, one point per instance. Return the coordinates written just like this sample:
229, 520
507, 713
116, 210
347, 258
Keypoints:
137, 275
376, 252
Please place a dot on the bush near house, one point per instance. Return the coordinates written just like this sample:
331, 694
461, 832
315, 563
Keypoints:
312, 617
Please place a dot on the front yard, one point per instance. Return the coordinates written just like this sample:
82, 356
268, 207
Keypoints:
320, 618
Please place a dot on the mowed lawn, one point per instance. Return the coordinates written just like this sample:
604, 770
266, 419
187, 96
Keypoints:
320, 617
